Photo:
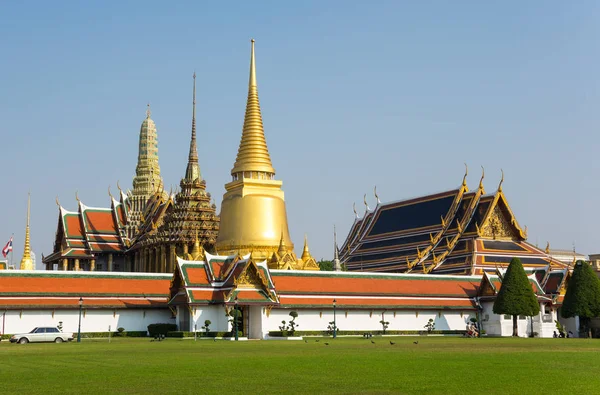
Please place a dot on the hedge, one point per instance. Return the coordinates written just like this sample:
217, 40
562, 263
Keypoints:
181, 334
112, 334
360, 333
161, 329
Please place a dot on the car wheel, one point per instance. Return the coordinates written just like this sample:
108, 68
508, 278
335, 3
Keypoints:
58, 340
23, 340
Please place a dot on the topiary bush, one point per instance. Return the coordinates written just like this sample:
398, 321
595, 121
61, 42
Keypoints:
161, 329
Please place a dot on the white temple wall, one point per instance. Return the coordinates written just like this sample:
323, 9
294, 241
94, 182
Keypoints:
368, 320
96, 320
215, 313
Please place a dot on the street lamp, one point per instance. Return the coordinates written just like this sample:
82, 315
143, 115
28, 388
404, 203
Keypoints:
79, 328
334, 324
235, 317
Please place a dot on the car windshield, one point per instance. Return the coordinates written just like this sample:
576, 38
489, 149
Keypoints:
33, 331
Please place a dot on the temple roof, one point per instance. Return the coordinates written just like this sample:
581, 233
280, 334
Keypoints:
30, 289
452, 232
89, 231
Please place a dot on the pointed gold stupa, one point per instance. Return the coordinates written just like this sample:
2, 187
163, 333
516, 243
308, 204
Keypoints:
253, 214
26, 261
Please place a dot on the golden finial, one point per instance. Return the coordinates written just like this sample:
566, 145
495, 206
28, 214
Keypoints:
365, 201
57, 202
282, 249
26, 261
376, 196
253, 154
547, 247
501, 181
110, 194
148, 112
482, 177
464, 183
305, 252
354, 209
76, 196
118, 186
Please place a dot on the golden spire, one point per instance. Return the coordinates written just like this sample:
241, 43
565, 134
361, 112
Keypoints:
193, 169
501, 181
148, 112
26, 261
305, 251
282, 248
253, 154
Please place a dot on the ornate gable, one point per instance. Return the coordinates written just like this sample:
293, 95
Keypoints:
500, 223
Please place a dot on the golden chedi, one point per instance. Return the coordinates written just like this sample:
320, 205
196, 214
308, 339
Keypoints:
27, 261
253, 215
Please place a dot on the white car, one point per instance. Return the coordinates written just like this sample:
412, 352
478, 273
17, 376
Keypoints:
42, 334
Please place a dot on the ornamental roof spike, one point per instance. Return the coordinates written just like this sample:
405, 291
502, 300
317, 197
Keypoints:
501, 181
192, 172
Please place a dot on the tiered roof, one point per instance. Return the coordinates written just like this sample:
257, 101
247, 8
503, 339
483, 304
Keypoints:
90, 231
43, 289
453, 232
222, 279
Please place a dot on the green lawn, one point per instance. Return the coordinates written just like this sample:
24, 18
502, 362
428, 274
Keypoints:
434, 365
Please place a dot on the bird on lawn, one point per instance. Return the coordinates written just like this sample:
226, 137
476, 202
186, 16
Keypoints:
326, 344
392, 343
417, 342
372, 342
317, 340
305, 341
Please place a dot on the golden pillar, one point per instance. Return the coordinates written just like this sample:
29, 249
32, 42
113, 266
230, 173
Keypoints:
76, 268
110, 262
93, 265
65, 264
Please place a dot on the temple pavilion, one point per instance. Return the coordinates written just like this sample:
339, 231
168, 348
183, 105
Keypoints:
453, 232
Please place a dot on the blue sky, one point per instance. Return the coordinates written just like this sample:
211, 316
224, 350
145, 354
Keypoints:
354, 94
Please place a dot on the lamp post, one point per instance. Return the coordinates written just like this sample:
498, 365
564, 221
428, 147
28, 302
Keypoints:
79, 328
334, 324
235, 317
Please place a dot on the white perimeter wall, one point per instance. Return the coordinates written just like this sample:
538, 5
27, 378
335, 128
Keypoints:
96, 320
368, 320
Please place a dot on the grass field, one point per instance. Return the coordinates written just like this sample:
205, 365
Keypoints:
351, 365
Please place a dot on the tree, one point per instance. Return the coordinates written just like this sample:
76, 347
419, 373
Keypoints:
325, 266
384, 324
583, 295
430, 325
292, 324
516, 296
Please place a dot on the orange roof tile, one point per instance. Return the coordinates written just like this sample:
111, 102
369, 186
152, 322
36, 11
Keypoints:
70, 283
100, 221
408, 303
73, 225
290, 282
70, 302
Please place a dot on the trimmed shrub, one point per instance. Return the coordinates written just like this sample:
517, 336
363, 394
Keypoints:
161, 329
181, 334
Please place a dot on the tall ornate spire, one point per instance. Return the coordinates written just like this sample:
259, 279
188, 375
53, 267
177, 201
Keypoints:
26, 261
253, 154
336, 253
193, 169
